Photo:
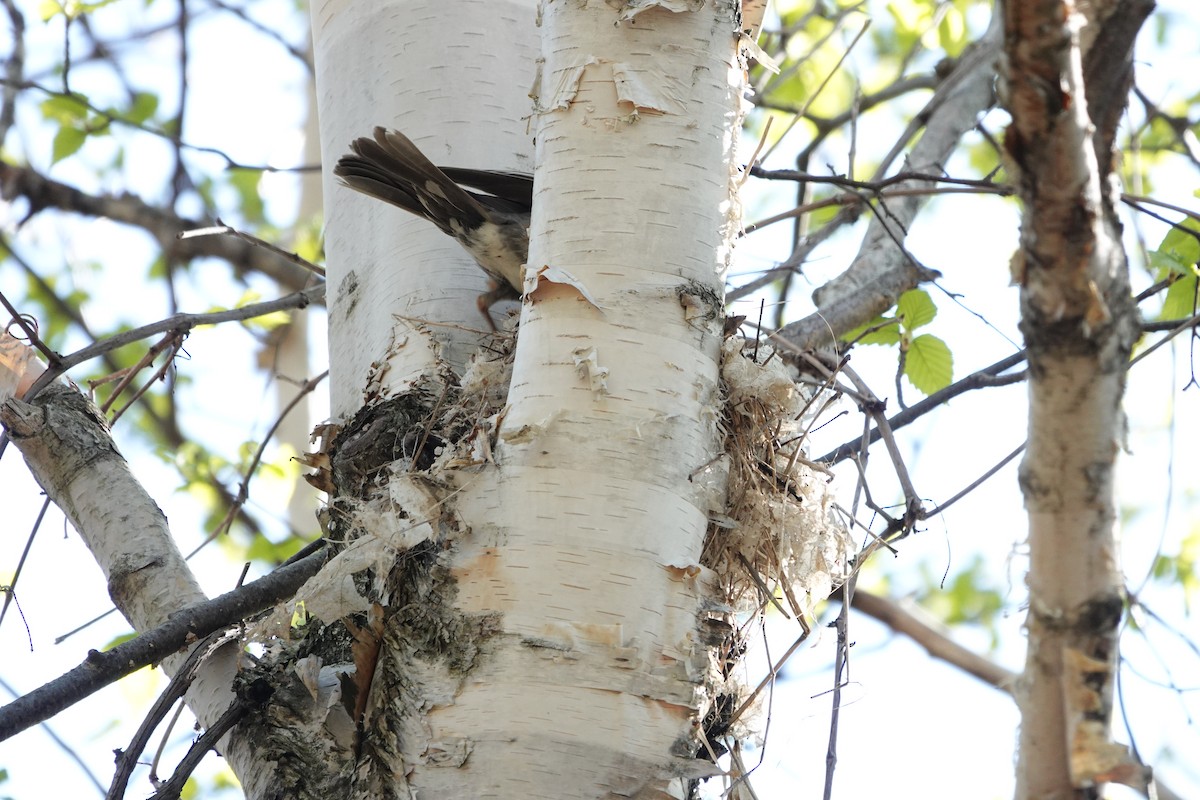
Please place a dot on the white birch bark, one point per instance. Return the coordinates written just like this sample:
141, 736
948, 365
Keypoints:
587, 537
541, 624
66, 445
454, 77
1079, 324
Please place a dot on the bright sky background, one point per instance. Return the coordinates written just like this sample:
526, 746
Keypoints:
911, 726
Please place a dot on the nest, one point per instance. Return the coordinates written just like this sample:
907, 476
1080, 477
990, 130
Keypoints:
779, 533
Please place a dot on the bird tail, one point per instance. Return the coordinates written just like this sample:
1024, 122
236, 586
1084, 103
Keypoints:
391, 168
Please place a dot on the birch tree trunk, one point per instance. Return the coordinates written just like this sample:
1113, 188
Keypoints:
454, 77
523, 613
587, 533
1066, 72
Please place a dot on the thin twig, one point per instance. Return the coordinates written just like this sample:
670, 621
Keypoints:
111, 117
127, 758
988, 376
10, 591
243, 493
238, 709
100, 669
61, 743
228, 230
975, 484
180, 323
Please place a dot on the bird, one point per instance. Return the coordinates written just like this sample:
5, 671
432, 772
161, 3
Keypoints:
491, 223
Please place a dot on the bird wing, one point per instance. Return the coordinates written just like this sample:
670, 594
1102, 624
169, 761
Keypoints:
513, 190
391, 168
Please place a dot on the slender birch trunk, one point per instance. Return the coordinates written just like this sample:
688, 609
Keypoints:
1079, 323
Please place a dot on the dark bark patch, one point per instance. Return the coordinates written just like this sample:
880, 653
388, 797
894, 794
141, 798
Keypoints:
1101, 616
397, 429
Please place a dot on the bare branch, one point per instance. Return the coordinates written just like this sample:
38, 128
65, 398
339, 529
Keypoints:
127, 760
179, 323
70, 452
100, 669
988, 376
935, 641
221, 228
881, 273
1180, 125
259, 692
165, 227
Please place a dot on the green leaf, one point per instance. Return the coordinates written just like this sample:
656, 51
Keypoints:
66, 143
249, 297
981, 155
246, 183
118, 640
143, 107
915, 309
263, 549
911, 20
887, 331
1180, 301
929, 364
66, 109
1182, 569
50, 292
268, 322
73, 9
307, 241
952, 32
1180, 246
49, 9
1179, 254
968, 597
1165, 261
225, 779
206, 188
824, 214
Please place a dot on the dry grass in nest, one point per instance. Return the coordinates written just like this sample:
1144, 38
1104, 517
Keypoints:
779, 535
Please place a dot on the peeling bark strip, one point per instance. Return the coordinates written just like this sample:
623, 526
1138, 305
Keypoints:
1079, 324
